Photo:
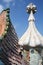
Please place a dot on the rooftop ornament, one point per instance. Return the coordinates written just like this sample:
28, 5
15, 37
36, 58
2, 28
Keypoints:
31, 38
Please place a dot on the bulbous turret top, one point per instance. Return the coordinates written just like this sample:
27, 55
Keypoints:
31, 37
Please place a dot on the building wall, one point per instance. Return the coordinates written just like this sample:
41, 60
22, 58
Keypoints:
33, 56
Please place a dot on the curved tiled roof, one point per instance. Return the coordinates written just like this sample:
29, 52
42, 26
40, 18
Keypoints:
8, 41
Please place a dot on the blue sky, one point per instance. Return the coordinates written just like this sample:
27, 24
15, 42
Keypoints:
19, 16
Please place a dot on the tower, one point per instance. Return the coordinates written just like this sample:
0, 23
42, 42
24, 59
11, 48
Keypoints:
32, 41
8, 41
